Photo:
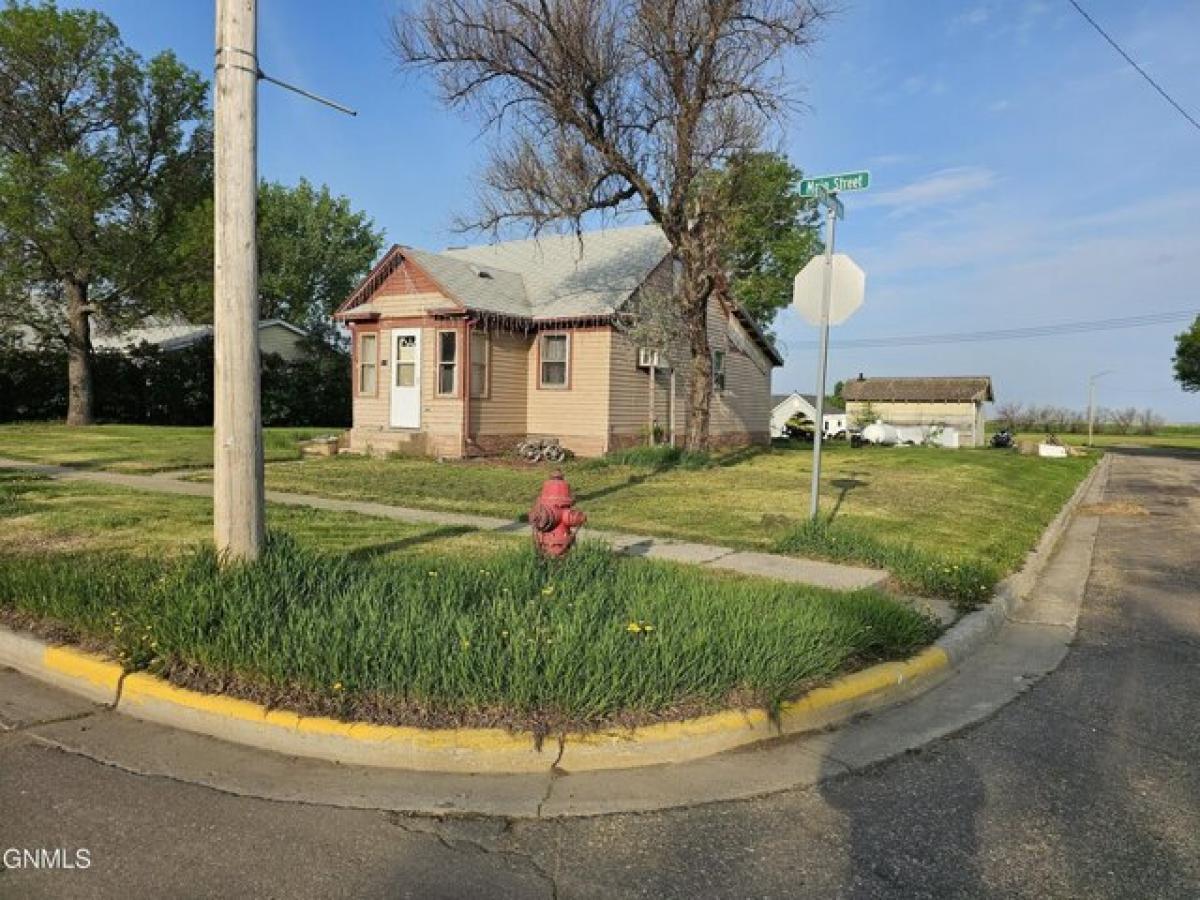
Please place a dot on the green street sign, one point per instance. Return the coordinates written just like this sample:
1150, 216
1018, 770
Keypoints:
834, 184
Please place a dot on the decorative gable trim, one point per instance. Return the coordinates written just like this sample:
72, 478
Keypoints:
393, 261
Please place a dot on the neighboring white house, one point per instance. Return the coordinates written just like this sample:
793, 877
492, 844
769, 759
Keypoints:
274, 336
785, 406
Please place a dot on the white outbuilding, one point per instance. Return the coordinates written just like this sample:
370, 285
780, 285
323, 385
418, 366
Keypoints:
786, 406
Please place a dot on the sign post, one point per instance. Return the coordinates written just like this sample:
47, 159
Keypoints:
823, 363
847, 298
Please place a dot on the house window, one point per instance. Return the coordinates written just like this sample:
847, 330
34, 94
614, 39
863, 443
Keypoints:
406, 360
368, 350
479, 363
555, 354
718, 370
447, 362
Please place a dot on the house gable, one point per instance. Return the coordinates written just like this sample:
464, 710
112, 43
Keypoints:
397, 287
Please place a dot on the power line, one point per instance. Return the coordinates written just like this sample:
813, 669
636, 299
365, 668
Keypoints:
1015, 334
1129, 59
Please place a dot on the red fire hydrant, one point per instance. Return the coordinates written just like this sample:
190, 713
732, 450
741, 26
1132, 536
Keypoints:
554, 519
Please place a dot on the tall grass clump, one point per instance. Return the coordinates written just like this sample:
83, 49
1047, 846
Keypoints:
509, 639
662, 456
964, 582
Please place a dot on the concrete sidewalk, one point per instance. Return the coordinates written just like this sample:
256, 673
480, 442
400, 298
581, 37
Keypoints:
767, 565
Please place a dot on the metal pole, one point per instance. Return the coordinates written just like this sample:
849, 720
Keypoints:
1091, 406
819, 425
1092, 400
238, 522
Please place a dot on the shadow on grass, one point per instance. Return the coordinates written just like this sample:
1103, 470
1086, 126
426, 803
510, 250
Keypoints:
724, 460
373, 551
844, 486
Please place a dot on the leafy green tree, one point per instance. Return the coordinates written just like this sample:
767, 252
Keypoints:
772, 231
101, 154
1187, 357
313, 248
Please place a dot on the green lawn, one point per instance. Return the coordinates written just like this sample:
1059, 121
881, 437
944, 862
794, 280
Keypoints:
135, 448
946, 523
79, 516
984, 507
368, 619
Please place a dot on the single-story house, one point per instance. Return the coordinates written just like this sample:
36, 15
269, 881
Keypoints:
274, 336
785, 406
951, 401
471, 350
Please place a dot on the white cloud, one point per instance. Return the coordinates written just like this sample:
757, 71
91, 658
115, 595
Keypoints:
971, 18
889, 159
945, 186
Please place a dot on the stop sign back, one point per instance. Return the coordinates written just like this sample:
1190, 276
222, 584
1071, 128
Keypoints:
845, 297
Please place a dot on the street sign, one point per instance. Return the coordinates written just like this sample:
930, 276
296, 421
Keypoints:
846, 291
831, 202
848, 181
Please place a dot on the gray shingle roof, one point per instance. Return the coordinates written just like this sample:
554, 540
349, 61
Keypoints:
915, 390
543, 279
485, 288
564, 275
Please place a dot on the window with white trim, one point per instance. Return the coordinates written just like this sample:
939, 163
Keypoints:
718, 370
368, 361
555, 360
447, 381
480, 351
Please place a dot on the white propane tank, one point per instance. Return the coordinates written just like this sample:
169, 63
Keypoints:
880, 433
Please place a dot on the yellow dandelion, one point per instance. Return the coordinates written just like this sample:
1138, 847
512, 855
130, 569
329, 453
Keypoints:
337, 685
634, 627
548, 590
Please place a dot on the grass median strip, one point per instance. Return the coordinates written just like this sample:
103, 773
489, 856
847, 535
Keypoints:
439, 633
507, 639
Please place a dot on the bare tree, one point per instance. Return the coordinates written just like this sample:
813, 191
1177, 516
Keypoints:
1009, 414
1123, 418
610, 107
1149, 421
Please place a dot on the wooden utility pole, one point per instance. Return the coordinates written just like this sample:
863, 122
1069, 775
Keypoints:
238, 522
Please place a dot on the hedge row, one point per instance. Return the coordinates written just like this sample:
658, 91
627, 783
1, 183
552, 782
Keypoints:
152, 387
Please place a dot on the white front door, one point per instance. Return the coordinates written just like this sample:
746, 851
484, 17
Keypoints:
406, 378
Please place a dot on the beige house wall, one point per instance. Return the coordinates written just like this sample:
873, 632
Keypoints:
739, 414
967, 417
499, 419
578, 415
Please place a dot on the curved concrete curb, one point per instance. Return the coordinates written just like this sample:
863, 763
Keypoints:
497, 751
975, 628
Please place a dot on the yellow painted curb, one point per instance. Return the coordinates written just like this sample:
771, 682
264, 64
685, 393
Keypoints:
95, 677
480, 750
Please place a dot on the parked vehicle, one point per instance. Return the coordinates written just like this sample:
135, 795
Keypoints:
1002, 439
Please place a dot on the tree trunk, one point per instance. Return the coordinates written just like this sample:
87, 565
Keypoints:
79, 354
701, 387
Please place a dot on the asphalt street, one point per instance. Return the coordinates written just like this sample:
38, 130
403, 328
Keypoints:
1087, 785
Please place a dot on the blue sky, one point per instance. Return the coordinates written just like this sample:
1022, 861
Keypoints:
1022, 173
